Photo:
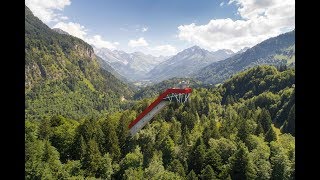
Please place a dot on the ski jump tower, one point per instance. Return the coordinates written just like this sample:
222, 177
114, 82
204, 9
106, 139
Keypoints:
179, 95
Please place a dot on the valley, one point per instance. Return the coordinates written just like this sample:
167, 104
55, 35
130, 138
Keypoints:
239, 121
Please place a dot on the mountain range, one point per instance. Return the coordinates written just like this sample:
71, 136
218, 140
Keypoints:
132, 66
186, 62
137, 66
195, 62
279, 50
209, 67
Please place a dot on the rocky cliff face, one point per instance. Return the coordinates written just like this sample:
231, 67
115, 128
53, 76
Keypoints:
84, 51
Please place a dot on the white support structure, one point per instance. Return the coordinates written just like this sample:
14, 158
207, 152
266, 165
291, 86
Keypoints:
179, 95
180, 98
148, 117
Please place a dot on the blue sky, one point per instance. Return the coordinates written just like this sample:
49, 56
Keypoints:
165, 27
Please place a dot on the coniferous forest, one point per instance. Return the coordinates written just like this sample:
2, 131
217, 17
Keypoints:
226, 132
77, 118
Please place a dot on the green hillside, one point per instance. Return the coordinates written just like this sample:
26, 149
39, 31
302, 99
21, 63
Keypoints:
63, 76
225, 132
156, 89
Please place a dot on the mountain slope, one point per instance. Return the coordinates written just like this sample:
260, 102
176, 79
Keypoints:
106, 66
265, 87
133, 66
63, 76
60, 31
278, 50
185, 63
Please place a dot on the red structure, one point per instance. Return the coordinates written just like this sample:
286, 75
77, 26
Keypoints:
179, 95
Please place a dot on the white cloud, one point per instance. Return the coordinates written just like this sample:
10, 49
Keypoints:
138, 43
262, 19
144, 29
98, 42
64, 17
221, 4
46, 10
80, 31
74, 29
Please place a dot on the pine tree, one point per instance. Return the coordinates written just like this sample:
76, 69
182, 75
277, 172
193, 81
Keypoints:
241, 164
92, 158
176, 167
167, 151
192, 176
279, 162
45, 131
265, 119
131, 160
214, 159
79, 148
105, 167
270, 135
175, 131
122, 129
259, 129
210, 131
197, 156
169, 114
111, 143
243, 132
51, 158
289, 125
133, 174
208, 174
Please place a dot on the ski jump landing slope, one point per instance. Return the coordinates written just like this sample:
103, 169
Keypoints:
179, 95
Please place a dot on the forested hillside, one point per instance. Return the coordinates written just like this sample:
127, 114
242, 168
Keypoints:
279, 51
63, 76
242, 129
156, 89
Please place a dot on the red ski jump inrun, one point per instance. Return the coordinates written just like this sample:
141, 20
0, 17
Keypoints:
179, 95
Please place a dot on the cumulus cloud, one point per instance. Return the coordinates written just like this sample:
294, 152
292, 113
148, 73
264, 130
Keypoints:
261, 19
80, 31
46, 11
221, 4
138, 43
98, 42
74, 29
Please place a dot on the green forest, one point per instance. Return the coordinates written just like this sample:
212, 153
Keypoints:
77, 116
63, 76
230, 131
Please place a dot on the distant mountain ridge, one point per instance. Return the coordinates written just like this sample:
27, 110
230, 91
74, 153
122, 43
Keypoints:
279, 50
132, 66
186, 62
